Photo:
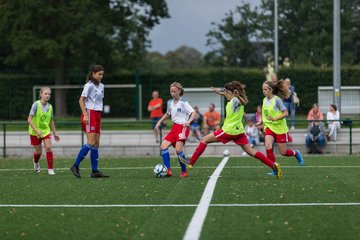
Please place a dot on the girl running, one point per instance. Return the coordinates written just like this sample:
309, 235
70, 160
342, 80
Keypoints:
274, 115
233, 129
41, 120
182, 114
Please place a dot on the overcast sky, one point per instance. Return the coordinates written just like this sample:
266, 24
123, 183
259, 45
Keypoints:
190, 22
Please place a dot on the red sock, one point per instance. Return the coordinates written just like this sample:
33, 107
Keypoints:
289, 153
36, 157
270, 154
264, 159
199, 150
50, 158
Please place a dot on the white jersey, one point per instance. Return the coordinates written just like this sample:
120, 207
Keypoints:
179, 112
94, 95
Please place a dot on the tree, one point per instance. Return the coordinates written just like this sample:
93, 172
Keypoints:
232, 39
61, 34
306, 30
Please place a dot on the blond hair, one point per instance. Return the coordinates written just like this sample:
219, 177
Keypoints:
178, 86
279, 88
43, 89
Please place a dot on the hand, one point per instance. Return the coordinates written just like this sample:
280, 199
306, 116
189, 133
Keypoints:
218, 91
270, 118
39, 134
86, 118
57, 138
187, 124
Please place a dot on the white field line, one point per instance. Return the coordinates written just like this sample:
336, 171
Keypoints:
177, 205
195, 226
204, 167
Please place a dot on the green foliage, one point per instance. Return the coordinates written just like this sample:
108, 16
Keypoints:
232, 39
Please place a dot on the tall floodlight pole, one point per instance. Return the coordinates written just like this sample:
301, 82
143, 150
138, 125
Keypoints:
337, 56
276, 39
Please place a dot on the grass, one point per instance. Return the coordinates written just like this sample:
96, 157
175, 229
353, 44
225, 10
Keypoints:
326, 179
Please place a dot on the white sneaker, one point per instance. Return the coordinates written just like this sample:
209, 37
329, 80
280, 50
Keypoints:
36, 166
51, 172
244, 154
292, 128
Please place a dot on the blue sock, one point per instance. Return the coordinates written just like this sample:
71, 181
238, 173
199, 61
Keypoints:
82, 154
166, 157
183, 167
94, 157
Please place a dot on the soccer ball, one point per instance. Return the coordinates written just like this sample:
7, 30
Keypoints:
160, 171
226, 153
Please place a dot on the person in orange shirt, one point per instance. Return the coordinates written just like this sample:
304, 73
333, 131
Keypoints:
211, 120
155, 108
314, 111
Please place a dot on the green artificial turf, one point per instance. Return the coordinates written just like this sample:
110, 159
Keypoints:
133, 204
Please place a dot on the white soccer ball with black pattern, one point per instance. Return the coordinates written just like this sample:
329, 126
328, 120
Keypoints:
226, 153
160, 171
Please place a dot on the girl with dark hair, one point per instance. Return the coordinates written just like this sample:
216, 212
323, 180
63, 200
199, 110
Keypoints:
333, 117
233, 129
91, 105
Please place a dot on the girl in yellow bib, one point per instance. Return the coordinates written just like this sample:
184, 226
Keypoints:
40, 122
274, 115
232, 129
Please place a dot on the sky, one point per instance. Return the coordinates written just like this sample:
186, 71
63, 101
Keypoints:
189, 23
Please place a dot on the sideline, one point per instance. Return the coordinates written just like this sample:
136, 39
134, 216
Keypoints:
176, 205
200, 167
194, 229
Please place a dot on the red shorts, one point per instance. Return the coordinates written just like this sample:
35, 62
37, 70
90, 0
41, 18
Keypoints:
177, 133
94, 123
34, 140
223, 137
279, 138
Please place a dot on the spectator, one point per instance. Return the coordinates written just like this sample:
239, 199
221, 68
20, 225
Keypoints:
315, 111
252, 133
258, 120
195, 125
211, 120
289, 103
333, 117
155, 108
315, 133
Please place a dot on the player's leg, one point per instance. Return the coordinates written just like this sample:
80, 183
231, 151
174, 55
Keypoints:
165, 155
179, 146
36, 157
210, 138
290, 153
49, 155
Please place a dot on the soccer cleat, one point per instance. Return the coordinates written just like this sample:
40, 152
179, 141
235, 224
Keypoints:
277, 170
272, 173
75, 170
36, 166
186, 162
51, 172
169, 173
183, 174
299, 158
98, 174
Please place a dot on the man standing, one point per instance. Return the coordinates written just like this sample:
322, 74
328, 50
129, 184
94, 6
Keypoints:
155, 108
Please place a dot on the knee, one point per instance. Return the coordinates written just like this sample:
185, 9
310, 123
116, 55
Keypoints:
38, 152
48, 149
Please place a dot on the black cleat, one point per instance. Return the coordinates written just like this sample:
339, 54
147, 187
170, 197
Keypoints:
75, 170
98, 174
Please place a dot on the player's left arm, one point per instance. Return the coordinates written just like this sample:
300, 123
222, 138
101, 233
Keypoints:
53, 129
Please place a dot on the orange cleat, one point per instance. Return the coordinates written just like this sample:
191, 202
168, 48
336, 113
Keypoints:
183, 174
169, 173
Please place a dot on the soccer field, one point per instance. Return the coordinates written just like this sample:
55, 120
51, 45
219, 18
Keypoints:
318, 201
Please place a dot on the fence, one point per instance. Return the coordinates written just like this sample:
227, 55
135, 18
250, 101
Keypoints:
132, 142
